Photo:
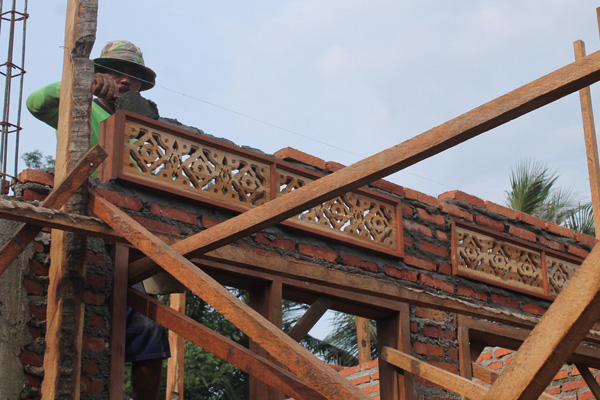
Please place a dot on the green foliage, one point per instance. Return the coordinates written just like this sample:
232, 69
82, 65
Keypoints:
35, 159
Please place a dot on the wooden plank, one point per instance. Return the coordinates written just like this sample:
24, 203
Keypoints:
310, 318
529, 97
299, 360
489, 376
363, 338
267, 300
441, 377
65, 307
119, 319
464, 352
589, 380
222, 347
555, 337
56, 199
591, 144
175, 364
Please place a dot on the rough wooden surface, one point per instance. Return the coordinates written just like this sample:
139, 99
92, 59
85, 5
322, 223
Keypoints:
62, 359
489, 376
281, 347
176, 364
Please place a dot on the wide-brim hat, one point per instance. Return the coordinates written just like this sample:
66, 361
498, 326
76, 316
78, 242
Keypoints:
122, 51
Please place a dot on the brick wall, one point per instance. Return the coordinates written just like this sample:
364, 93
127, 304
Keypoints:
427, 265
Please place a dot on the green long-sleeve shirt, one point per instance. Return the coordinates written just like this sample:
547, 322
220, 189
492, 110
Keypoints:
43, 104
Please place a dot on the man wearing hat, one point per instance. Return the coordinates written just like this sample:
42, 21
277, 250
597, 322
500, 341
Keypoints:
119, 69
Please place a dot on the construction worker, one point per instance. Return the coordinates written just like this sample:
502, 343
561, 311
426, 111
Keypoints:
119, 69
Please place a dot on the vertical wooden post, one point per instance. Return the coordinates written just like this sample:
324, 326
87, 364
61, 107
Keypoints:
394, 332
363, 338
591, 144
62, 360
119, 321
268, 302
175, 364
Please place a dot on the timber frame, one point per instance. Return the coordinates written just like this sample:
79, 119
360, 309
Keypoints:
280, 361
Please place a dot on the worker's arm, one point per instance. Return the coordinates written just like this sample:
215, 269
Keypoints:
43, 104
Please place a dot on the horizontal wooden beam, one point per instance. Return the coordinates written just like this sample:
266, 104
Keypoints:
529, 97
441, 377
224, 348
281, 347
56, 199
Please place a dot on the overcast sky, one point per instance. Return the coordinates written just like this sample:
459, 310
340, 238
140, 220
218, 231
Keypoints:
358, 75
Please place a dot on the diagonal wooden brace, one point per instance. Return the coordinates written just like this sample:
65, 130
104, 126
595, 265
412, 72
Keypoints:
280, 346
514, 104
222, 347
56, 199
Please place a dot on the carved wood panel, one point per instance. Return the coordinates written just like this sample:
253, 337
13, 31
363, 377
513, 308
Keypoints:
559, 273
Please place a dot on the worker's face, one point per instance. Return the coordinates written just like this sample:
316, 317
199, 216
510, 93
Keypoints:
125, 78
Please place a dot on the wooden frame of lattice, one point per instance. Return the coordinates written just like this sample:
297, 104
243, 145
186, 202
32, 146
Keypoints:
548, 346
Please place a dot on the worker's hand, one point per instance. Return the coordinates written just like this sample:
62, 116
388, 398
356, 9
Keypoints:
105, 87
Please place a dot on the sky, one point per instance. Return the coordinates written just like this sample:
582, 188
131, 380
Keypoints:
343, 80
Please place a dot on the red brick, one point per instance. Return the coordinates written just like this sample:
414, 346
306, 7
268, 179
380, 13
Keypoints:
560, 230
95, 280
360, 380
38, 268
370, 389
31, 195
408, 241
209, 222
456, 211
406, 209
428, 349
388, 187
97, 320
92, 385
436, 283
318, 252
291, 154
332, 166
421, 197
279, 243
504, 300
35, 332
91, 367
38, 246
174, 213
489, 223
486, 355
351, 370
433, 218
445, 268
439, 333
97, 259
414, 226
33, 381
93, 344
33, 287
499, 353
38, 311
30, 358
578, 251
462, 196
568, 386
414, 327
562, 374
121, 200
586, 396
93, 298
531, 220
551, 244
496, 365
522, 233
583, 238
441, 235
157, 226
553, 391
498, 209
403, 274
431, 314
37, 176
453, 353
434, 249
533, 309
420, 263
468, 292
370, 365
358, 262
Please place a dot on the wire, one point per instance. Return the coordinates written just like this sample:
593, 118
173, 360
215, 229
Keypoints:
265, 122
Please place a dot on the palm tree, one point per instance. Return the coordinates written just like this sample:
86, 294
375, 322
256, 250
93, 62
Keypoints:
533, 192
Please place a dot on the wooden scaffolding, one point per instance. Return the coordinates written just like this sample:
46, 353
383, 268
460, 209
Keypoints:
279, 360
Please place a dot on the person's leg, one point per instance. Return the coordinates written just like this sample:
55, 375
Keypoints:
145, 378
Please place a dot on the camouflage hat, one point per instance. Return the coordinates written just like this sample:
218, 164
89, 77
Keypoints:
120, 51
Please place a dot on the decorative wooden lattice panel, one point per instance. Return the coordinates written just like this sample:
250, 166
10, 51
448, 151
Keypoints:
164, 157
502, 262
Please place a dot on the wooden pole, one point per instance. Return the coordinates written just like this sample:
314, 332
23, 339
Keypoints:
363, 338
62, 359
175, 364
591, 144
